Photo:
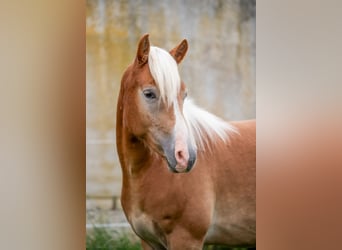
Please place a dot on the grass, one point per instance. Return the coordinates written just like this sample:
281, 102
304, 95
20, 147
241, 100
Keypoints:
100, 238
103, 239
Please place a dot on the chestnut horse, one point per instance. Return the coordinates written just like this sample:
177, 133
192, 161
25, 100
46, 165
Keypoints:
188, 176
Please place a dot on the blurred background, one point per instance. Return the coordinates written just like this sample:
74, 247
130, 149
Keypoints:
219, 70
43, 117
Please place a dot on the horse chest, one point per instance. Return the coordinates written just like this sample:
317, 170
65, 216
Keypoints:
142, 224
148, 229
152, 217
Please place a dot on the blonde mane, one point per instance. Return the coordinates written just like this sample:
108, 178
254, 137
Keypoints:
203, 126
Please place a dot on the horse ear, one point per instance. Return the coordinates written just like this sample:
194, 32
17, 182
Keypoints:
143, 50
179, 51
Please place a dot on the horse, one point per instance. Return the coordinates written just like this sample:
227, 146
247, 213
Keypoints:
188, 176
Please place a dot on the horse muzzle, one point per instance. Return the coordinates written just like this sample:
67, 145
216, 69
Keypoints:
181, 163
179, 154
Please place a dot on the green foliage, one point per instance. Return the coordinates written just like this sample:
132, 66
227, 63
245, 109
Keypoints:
103, 239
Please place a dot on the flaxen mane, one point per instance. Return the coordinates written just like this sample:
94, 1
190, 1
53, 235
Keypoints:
203, 126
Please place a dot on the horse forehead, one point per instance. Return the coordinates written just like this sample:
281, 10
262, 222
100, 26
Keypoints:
143, 76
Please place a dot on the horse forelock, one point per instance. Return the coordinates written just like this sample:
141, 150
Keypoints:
164, 71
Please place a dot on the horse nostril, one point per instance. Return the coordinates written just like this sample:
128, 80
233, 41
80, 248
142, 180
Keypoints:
180, 155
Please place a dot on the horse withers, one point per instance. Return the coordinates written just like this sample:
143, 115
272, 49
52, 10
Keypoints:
188, 176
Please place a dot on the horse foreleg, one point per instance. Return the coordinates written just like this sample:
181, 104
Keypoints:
183, 240
145, 246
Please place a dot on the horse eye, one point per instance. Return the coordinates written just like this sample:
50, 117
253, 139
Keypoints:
149, 94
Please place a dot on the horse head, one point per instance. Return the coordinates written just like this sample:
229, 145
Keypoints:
154, 96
